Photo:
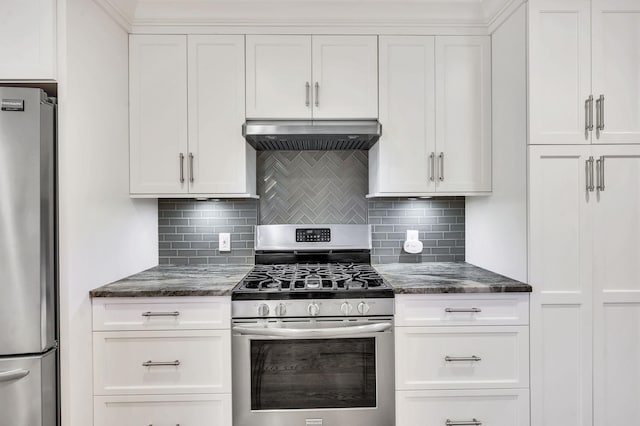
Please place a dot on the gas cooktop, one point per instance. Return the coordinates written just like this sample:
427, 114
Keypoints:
312, 280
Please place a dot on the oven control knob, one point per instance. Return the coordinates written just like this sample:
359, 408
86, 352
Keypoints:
313, 309
263, 310
363, 308
346, 308
281, 310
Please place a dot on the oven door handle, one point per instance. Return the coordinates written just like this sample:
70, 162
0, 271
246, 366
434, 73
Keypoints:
313, 332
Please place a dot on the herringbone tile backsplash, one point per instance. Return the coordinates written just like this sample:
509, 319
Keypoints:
312, 186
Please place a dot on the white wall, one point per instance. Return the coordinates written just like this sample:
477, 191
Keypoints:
496, 226
104, 235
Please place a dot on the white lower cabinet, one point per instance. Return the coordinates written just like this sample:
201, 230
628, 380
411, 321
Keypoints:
584, 227
468, 357
462, 359
162, 361
158, 410
157, 362
499, 407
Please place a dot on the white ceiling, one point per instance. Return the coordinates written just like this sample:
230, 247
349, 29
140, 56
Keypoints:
140, 13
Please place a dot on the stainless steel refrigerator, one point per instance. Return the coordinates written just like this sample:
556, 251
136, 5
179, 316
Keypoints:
28, 345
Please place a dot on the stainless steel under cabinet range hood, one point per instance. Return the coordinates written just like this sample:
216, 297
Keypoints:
309, 135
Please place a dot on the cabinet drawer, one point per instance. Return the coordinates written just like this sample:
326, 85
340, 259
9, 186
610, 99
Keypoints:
488, 407
202, 358
163, 313
193, 410
462, 309
462, 357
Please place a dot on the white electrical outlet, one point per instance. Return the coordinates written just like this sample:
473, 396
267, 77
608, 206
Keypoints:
224, 241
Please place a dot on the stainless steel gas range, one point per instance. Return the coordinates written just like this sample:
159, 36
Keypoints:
313, 331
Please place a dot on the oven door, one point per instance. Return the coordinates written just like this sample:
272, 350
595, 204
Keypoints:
303, 372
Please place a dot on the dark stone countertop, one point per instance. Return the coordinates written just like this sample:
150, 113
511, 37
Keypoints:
446, 277
177, 280
219, 280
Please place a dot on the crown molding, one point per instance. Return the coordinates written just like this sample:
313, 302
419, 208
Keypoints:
121, 15
476, 17
504, 13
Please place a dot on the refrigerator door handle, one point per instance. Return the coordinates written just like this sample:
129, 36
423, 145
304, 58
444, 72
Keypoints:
6, 376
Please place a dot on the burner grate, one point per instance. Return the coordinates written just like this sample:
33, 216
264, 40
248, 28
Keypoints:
312, 277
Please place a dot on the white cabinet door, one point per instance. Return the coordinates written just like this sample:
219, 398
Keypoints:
400, 161
498, 407
462, 357
425, 310
278, 76
220, 160
345, 77
158, 111
161, 313
28, 34
463, 113
560, 255
616, 68
616, 272
191, 410
559, 70
161, 362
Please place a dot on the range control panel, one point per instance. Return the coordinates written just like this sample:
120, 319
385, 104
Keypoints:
315, 235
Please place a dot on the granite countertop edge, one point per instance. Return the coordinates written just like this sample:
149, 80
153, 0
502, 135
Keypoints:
219, 280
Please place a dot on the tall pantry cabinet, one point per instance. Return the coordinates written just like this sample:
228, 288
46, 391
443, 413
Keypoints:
584, 215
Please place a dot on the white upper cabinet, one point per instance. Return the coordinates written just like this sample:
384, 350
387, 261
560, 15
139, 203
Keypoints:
616, 70
400, 161
28, 34
278, 76
584, 71
186, 125
559, 71
305, 77
435, 111
220, 160
345, 77
158, 110
463, 114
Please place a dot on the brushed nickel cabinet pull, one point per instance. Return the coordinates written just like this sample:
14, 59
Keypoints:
181, 168
471, 358
317, 86
307, 87
191, 167
470, 310
589, 174
599, 116
441, 157
590, 112
161, 314
150, 363
473, 422
432, 160
600, 173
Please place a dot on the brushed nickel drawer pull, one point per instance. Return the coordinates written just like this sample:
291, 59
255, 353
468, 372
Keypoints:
161, 314
471, 358
473, 422
458, 310
150, 363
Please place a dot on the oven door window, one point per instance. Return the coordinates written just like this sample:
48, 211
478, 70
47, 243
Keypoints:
313, 373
